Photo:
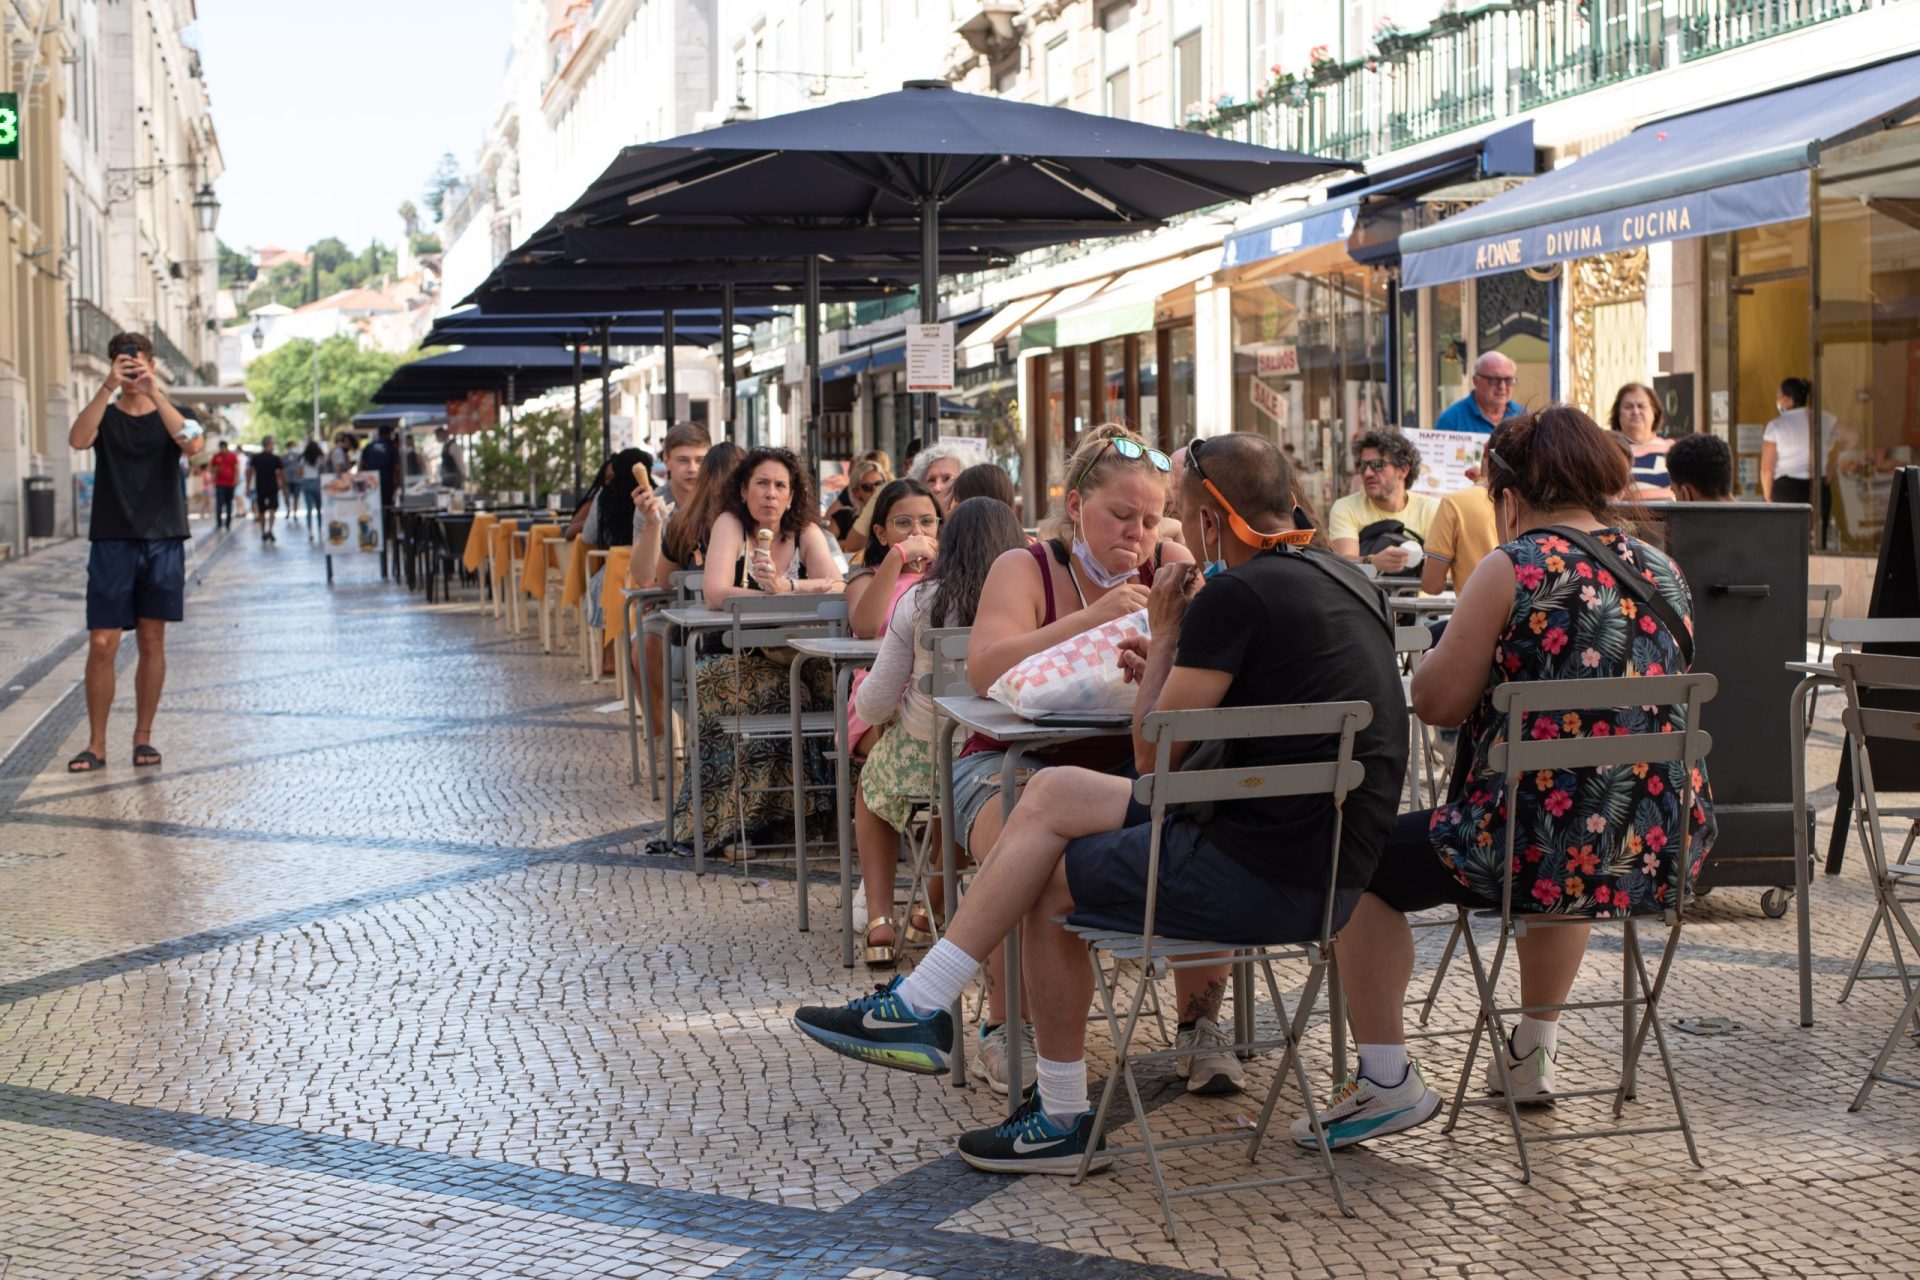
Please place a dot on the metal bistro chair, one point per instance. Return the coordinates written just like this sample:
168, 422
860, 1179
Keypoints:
742, 636
1410, 642
1518, 758
948, 678
1821, 596
1896, 884
1158, 955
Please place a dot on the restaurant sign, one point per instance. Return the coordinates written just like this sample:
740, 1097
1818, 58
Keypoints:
1781, 198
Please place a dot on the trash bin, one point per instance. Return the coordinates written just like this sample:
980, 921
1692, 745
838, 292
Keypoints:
39, 506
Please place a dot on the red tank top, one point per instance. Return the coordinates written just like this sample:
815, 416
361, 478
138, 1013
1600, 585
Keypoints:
1102, 754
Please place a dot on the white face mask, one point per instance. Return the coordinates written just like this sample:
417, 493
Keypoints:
1101, 576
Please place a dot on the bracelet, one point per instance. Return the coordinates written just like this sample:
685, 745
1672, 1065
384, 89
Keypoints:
901, 547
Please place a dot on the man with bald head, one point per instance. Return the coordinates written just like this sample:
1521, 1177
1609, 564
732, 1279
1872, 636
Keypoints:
1262, 624
1490, 400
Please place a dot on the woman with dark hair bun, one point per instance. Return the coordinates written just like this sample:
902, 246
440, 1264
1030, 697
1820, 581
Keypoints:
1597, 842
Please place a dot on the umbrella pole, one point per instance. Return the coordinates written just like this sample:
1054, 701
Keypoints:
496, 420
812, 310
726, 353
577, 443
606, 394
929, 306
666, 335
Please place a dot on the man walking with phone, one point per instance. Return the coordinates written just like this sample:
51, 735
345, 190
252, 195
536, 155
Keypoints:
136, 572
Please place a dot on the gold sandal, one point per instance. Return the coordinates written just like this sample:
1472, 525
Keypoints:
915, 934
881, 956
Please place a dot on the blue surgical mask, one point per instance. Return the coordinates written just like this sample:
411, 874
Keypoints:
1211, 568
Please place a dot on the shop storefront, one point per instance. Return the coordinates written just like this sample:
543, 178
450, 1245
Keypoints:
1326, 345
1716, 254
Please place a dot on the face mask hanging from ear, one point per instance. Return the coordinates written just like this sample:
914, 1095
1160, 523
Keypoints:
1213, 565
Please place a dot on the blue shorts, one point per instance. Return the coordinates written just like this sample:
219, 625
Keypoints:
133, 578
1205, 895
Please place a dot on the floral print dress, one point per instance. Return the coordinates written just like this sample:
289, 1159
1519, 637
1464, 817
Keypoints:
1592, 842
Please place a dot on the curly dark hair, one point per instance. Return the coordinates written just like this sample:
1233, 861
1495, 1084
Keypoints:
1391, 445
800, 507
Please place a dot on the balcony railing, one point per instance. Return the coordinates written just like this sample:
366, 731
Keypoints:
1708, 26
1475, 66
177, 363
92, 330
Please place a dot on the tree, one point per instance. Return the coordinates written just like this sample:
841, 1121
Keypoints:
234, 265
282, 383
445, 179
544, 439
284, 283
425, 242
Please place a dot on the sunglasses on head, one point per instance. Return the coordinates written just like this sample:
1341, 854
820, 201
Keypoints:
1299, 537
1131, 450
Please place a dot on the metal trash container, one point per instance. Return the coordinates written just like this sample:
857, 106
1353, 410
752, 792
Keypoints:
39, 506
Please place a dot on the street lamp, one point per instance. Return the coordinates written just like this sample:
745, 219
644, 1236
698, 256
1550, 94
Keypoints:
259, 336
239, 290
206, 207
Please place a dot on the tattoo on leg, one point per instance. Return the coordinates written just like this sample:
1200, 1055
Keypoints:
1205, 1004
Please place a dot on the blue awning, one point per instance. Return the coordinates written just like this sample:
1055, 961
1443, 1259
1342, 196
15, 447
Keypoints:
844, 368
1307, 228
1727, 168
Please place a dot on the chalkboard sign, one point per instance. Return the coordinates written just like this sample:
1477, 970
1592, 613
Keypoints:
1896, 594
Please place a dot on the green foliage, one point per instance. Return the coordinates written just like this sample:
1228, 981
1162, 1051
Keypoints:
543, 439
425, 242
284, 283
282, 384
234, 265
445, 178
338, 267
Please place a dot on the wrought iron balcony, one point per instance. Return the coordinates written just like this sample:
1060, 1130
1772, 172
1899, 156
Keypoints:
93, 329
1475, 66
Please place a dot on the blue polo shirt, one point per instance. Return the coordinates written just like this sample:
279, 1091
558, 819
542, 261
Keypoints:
1464, 415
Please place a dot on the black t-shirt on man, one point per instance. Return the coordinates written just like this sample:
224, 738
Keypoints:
267, 467
136, 479
1289, 633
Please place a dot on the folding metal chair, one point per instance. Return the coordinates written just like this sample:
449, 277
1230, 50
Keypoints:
1519, 757
1160, 955
1896, 885
1820, 597
1851, 635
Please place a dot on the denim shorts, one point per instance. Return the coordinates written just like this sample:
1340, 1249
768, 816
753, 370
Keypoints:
133, 578
976, 784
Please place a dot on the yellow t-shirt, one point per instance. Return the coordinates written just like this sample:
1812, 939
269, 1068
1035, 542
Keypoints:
1463, 533
1354, 512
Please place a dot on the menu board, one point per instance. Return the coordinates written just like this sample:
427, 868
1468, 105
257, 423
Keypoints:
1445, 457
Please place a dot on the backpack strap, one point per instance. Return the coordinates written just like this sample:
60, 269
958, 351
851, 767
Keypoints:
1632, 583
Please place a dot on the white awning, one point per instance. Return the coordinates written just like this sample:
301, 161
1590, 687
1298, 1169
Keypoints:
210, 395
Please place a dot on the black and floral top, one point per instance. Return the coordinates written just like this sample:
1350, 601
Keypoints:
1597, 842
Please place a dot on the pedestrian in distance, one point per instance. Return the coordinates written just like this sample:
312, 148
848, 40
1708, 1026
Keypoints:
313, 459
136, 569
294, 472
224, 470
267, 475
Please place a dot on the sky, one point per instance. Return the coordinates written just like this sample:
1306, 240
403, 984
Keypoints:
330, 114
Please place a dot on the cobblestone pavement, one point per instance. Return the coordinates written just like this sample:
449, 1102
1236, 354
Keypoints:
373, 978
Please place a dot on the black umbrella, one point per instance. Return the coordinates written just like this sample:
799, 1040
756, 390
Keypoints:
926, 161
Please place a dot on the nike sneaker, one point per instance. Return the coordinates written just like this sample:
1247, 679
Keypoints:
1361, 1109
992, 1053
881, 1028
1531, 1074
1206, 1064
1028, 1142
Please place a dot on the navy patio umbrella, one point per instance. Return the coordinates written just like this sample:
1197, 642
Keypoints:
926, 159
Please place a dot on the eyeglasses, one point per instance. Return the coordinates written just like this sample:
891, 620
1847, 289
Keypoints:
1131, 450
1371, 465
907, 524
1241, 529
1498, 382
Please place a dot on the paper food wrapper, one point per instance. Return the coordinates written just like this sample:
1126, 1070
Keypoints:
1078, 674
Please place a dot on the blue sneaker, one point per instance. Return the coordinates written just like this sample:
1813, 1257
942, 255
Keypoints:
881, 1028
1361, 1109
1031, 1143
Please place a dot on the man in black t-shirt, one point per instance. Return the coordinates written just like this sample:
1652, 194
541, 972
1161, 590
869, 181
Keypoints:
267, 469
136, 572
1253, 628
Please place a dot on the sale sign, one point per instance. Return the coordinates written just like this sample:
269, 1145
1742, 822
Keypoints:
1270, 402
1279, 358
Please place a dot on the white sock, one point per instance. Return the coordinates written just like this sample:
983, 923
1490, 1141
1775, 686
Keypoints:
1063, 1090
937, 981
1535, 1033
1384, 1064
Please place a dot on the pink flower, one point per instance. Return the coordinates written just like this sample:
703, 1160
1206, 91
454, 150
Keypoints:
1651, 864
1558, 802
1596, 824
1603, 895
1546, 892
1589, 596
1655, 669
1590, 658
1555, 640
1656, 839
1646, 623
1600, 729
1605, 578
1583, 569
1544, 728
1530, 575
1654, 785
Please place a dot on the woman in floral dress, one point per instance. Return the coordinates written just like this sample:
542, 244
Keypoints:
1593, 842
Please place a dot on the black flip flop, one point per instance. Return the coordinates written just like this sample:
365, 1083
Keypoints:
144, 756
85, 762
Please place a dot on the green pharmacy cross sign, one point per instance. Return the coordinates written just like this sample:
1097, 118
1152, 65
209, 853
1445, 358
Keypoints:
9, 126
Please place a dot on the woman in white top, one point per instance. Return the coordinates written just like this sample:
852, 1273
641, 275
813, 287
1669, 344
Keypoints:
1786, 457
899, 769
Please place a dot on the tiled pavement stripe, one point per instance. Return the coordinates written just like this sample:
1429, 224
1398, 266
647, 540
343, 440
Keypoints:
36, 671
786, 1240
243, 835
